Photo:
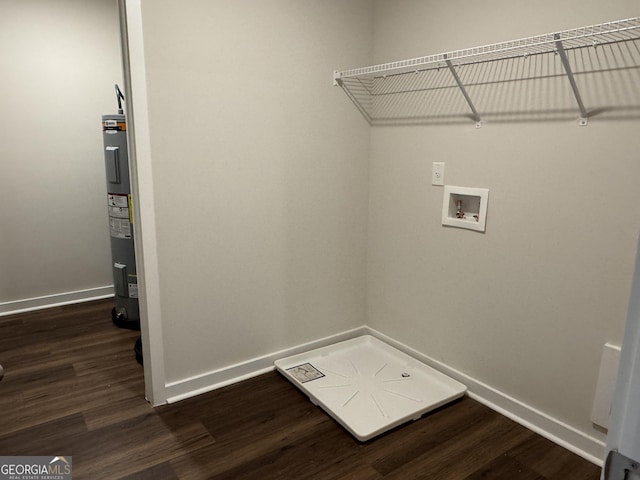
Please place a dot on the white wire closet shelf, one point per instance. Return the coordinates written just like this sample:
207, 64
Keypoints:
588, 70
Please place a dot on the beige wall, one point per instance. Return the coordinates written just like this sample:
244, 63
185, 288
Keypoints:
59, 61
260, 171
527, 306
266, 177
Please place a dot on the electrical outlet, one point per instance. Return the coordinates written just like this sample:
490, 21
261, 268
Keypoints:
437, 173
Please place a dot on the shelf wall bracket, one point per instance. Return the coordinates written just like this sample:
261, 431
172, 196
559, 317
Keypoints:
452, 69
337, 82
582, 121
336, 78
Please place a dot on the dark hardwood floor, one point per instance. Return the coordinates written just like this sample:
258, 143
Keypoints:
72, 387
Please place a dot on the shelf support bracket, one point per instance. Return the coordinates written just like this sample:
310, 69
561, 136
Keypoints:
567, 69
336, 78
452, 69
337, 82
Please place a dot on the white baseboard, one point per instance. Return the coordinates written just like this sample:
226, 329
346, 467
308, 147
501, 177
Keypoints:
56, 300
578, 442
589, 448
207, 382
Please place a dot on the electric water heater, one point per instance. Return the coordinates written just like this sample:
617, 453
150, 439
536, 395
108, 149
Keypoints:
125, 312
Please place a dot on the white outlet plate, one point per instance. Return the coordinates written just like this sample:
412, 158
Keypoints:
437, 173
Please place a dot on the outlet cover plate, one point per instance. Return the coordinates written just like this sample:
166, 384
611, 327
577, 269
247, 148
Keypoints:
437, 174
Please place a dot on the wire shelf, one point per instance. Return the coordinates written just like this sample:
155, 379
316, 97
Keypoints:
413, 89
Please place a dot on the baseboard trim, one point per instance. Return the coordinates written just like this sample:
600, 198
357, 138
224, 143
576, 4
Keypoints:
222, 377
587, 447
578, 442
55, 300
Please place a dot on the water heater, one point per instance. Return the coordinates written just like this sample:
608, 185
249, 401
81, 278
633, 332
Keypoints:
125, 312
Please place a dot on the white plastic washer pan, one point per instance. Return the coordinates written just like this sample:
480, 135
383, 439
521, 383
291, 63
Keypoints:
368, 386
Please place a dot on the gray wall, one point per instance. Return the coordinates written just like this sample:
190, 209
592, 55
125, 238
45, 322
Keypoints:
260, 174
527, 306
59, 60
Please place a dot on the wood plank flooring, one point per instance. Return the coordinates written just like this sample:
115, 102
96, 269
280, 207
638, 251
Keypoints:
72, 387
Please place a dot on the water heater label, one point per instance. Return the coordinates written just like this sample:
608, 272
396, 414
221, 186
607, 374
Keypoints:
118, 212
115, 200
120, 227
119, 215
112, 126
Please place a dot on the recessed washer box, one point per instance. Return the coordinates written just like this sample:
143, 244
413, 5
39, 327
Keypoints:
367, 386
465, 207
